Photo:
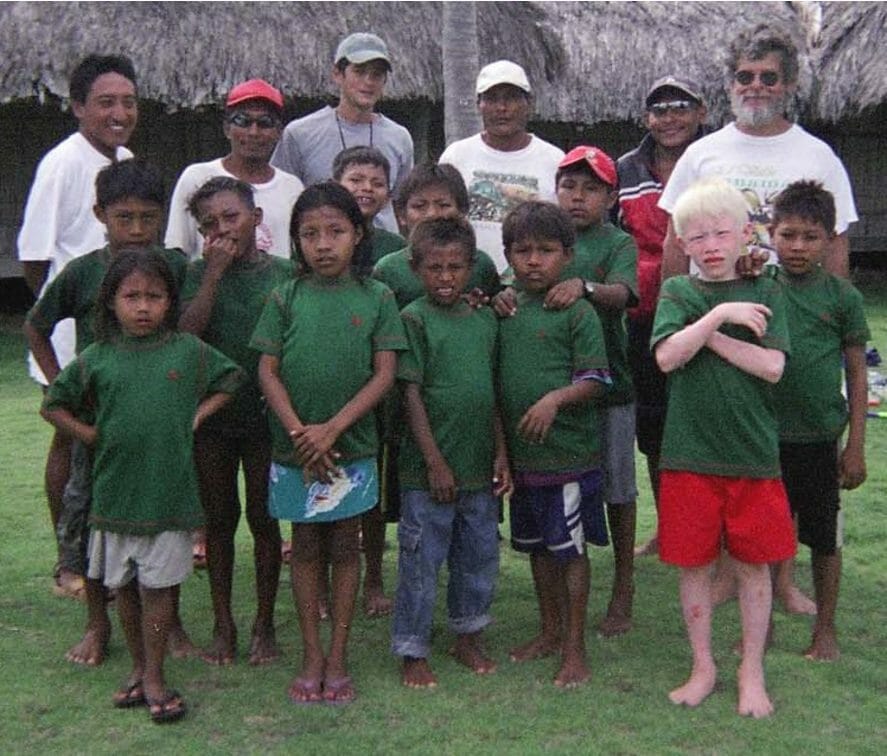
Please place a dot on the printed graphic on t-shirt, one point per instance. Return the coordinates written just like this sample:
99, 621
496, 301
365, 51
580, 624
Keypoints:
493, 195
759, 184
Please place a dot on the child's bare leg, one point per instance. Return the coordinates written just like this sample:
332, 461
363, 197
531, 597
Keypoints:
158, 615
574, 667
696, 607
787, 593
550, 595
755, 603
55, 476
345, 558
651, 547
93, 646
217, 463
622, 521
129, 609
266, 551
306, 565
178, 643
375, 602
826, 582
723, 586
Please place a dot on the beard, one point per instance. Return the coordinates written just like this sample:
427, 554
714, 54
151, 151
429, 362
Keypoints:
755, 117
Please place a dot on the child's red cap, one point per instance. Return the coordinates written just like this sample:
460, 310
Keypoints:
600, 162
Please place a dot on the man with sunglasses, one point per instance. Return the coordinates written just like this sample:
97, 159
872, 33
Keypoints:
674, 118
252, 124
762, 151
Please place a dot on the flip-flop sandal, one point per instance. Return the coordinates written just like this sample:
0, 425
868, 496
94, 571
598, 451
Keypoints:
129, 696
167, 713
307, 687
334, 689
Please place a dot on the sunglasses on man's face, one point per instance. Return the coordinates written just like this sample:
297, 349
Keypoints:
767, 78
672, 106
243, 121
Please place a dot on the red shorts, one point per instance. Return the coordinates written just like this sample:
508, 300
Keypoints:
697, 511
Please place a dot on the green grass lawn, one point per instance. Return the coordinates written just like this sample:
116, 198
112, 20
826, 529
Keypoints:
50, 706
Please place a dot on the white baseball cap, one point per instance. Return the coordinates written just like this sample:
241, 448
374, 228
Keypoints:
502, 72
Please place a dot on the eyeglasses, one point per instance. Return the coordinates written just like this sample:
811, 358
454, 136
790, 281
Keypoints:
672, 106
767, 78
243, 121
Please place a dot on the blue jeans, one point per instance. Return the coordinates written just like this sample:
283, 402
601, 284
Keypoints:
465, 533
72, 531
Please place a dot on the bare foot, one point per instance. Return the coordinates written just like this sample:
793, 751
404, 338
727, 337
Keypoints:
753, 698
223, 649
417, 673
697, 688
538, 648
650, 548
469, 652
92, 648
574, 671
795, 602
263, 647
376, 603
69, 584
618, 618
824, 646
179, 645
306, 690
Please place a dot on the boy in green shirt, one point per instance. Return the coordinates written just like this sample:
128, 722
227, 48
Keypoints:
827, 325
223, 296
723, 342
129, 202
453, 464
552, 363
366, 173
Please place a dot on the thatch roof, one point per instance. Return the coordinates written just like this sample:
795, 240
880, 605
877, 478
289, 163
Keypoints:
589, 62
851, 59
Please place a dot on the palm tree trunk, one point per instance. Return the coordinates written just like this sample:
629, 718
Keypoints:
460, 67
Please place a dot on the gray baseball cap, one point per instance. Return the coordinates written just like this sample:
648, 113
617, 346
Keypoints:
362, 47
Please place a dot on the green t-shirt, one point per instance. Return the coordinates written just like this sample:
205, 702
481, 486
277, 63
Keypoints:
720, 419
605, 254
451, 355
144, 392
825, 315
241, 296
539, 351
325, 333
74, 291
385, 242
395, 272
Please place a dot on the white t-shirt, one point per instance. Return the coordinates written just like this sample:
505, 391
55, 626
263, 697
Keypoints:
276, 198
59, 223
309, 145
761, 167
498, 181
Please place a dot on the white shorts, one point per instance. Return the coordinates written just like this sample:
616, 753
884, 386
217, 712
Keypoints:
158, 561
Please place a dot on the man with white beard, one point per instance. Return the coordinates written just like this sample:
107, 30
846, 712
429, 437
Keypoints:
762, 151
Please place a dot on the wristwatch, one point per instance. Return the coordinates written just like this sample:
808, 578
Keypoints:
589, 288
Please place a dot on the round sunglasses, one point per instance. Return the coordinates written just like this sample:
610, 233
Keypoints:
767, 78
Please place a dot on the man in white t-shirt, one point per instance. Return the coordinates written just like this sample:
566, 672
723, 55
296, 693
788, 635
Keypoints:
310, 144
252, 124
59, 223
504, 164
762, 151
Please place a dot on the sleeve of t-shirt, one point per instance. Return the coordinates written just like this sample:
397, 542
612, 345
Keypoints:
838, 183
287, 155
388, 334
68, 390
671, 311
854, 327
589, 351
406, 163
411, 363
181, 228
57, 301
44, 213
221, 374
777, 334
681, 178
268, 334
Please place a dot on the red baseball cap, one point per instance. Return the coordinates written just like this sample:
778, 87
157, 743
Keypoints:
254, 89
600, 162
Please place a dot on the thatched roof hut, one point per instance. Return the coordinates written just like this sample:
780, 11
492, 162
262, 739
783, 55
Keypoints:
851, 60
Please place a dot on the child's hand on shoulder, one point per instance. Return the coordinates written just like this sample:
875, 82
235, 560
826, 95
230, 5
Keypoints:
851, 468
504, 304
752, 315
476, 298
441, 482
537, 420
752, 264
563, 294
